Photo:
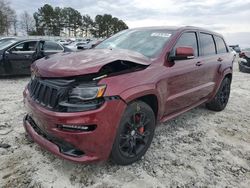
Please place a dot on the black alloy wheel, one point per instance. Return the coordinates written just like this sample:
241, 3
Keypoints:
224, 94
219, 102
135, 133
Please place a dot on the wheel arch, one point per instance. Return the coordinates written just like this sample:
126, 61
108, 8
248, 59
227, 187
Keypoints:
227, 73
145, 94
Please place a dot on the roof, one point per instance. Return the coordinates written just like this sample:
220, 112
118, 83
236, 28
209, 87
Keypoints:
177, 28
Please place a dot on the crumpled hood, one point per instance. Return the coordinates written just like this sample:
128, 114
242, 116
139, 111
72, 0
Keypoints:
85, 62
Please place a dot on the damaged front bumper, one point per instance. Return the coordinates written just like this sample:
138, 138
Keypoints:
45, 127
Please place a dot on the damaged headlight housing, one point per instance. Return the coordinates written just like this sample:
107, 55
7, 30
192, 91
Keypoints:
84, 92
84, 97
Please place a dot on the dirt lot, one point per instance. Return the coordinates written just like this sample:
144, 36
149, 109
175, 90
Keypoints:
199, 148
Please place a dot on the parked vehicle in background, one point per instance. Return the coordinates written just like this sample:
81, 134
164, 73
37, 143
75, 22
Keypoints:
5, 39
89, 45
244, 61
106, 102
74, 45
235, 54
236, 48
65, 42
16, 55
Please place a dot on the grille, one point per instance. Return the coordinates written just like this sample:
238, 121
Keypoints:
49, 92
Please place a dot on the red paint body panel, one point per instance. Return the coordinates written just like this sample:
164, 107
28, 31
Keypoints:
96, 144
84, 62
178, 87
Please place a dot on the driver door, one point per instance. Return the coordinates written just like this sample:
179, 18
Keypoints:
21, 56
184, 77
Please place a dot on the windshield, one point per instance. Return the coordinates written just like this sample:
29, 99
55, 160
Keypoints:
147, 42
7, 43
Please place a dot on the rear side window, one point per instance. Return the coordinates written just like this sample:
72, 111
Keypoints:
188, 40
220, 45
207, 44
52, 46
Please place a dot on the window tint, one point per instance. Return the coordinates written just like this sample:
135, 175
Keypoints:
220, 45
207, 44
26, 47
188, 40
51, 46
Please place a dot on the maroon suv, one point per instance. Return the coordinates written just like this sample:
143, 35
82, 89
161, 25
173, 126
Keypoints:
106, 102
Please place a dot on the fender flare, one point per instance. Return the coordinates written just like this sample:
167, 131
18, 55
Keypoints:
134, 93
225, 72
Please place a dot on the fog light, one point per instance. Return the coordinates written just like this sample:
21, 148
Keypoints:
77, 127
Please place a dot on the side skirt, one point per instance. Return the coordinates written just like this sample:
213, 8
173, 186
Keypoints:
173, 115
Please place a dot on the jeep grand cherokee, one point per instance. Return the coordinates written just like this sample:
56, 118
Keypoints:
106, 102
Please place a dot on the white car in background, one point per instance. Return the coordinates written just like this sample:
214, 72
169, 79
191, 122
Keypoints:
64, 42
89, 45
235, 54
74, 45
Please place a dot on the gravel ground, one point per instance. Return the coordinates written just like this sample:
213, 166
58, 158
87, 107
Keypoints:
199, 148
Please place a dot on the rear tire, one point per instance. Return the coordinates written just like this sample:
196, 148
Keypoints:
221, 98
135, 133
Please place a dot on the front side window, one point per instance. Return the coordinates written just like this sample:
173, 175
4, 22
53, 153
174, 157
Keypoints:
149, 42
51, 46
220, 45
25, 47
188, 40
207, 44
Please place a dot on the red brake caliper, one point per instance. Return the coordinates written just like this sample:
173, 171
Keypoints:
140, 129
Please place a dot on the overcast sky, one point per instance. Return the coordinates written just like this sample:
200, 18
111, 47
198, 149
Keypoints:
229, 17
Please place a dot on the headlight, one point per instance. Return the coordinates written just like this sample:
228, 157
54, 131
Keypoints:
85, 92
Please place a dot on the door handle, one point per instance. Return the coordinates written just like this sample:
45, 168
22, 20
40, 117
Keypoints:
220, 59
199, 63
27, 56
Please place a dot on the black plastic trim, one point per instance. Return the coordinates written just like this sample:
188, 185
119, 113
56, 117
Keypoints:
65, 147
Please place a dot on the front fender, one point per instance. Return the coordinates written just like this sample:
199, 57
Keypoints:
140, 91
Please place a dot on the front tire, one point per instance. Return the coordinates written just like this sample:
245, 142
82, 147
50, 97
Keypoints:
221, 98
134, 134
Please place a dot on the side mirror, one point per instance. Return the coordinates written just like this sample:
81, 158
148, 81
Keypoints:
182, 53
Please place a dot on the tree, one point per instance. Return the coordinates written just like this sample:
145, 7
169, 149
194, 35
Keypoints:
44, 19
15, 21
106, 25
72, 19
51, 21
87, 24
7, 17
38, 26
59, 21
26, 22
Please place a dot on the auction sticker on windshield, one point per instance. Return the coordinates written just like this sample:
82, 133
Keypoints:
165, 35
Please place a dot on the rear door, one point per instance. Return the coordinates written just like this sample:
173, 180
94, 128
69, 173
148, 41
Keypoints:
222, 51
21, 56
50, 47
211, 62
